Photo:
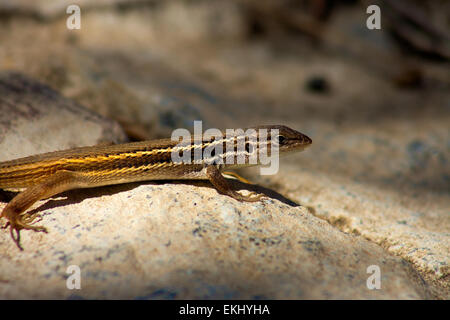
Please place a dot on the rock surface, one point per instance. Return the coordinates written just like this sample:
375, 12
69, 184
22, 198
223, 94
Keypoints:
176, 241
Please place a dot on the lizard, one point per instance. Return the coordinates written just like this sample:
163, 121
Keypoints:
45, 175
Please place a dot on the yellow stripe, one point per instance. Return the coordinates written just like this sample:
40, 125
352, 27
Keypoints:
45, 166
128, 170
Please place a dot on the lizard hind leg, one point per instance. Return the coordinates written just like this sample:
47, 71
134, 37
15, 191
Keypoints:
14, 211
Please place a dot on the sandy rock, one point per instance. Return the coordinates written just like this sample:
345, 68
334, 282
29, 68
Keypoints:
176, 241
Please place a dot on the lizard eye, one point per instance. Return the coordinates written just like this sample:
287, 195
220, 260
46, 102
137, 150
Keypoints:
280, 139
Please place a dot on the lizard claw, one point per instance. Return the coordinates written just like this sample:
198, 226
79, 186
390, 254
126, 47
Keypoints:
19, 224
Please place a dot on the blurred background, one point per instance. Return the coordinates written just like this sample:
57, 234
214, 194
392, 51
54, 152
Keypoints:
376, 103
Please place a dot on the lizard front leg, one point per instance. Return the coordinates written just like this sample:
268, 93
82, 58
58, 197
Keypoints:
222, 185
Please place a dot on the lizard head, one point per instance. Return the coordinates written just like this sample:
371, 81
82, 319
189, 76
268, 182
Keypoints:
286, 139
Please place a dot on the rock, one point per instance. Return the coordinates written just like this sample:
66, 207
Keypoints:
178, 241
36, 119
